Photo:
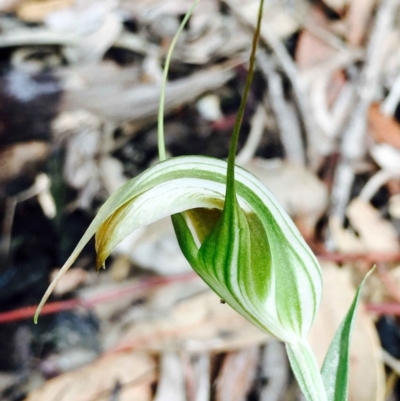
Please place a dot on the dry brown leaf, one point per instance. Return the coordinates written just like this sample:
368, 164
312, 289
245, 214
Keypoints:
297, 188
388, 158
366, 369
283, 21
337, 5
394, 277
115, 305
37, 11
111, 173
200, 323
336, 84
345, 240
9, 5
85, 140
383, 128
71, 359
311, 50
22, 158
274, 367
72, 279
112, 93
375, 233
237, 375
381, 287
120, 268
358, 18
394, 205
132, 372
93, 46
155, 247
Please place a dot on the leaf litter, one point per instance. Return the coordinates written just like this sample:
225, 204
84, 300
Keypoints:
79, 88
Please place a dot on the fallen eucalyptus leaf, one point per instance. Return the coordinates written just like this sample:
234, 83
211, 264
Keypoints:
375, 233
134, 371
199, 323
237, 375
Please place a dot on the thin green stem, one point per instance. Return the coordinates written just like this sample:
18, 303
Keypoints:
230, 181
161, 139
305, 368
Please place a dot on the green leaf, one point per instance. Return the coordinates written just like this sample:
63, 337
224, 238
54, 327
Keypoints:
335, 370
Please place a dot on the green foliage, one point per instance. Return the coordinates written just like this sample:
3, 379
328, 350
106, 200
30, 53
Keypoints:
335, 370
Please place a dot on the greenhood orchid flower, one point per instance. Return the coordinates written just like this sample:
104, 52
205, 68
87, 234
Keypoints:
242, 243
254, 258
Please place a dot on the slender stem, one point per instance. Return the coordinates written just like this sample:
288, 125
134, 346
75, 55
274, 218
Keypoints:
305, 368
230, 180
161, 139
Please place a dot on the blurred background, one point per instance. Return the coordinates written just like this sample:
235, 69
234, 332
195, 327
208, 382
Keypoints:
79, 92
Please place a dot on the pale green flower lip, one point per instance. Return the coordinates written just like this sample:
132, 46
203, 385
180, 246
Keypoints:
263, 268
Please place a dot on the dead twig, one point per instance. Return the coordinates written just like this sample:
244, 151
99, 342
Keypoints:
237, 375
389, 105
302, 100
274, 370
388, 281
40, 187
385, 308
121, 101
286, 118
353, 145
89, 302
375, 182
171, 385
36, 37
331, 119
370, 257
254, 138
198, 377
390, 361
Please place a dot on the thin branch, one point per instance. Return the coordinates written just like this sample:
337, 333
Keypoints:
138, 287
287, 122
254, 138
389, 105
5, 243
353, 143
38, 187
375, 182
390, 361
